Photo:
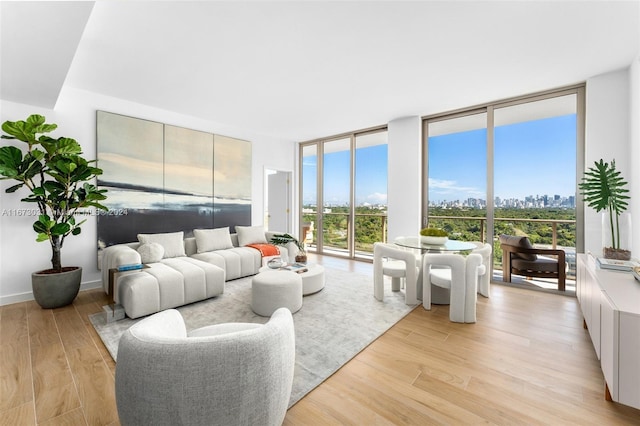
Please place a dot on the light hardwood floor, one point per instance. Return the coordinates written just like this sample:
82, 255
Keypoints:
526, 361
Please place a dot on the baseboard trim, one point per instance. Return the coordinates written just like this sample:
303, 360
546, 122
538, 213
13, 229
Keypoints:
27, 296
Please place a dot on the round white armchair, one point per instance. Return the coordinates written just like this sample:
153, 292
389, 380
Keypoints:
226, 374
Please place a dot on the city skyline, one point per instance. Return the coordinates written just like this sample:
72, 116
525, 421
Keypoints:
530, 201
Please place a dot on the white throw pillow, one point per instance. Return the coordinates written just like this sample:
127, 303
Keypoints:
150, 252
172, 242
250, 235
212, 239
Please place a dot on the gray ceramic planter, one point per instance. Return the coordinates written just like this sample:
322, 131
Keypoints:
58, 289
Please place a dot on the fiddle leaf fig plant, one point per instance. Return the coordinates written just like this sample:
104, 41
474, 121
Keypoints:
604, 188
56, 175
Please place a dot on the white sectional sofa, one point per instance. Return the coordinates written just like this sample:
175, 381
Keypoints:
181, 270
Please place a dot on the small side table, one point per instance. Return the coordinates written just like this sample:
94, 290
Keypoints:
113, 310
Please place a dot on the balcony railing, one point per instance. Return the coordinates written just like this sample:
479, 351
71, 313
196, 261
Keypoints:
482, 226
372, 227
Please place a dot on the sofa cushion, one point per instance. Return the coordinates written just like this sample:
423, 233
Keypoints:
522, 242
212, 239
172, 242
150, 252
250, 235
237, 262
541, 264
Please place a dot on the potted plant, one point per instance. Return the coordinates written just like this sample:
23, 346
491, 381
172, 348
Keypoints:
56, 176
283, 239
603, 188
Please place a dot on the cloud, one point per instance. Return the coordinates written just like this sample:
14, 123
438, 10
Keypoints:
440, 186
377, 198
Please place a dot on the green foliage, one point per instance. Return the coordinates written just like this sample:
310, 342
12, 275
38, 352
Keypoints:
529, 222
282, 239
603, 188
56, 176
370, 226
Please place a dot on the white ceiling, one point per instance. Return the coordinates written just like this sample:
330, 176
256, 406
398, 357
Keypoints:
306, 69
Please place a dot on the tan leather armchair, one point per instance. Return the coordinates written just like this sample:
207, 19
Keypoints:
521, 258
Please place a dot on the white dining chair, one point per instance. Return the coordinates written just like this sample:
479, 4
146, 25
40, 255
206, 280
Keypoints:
458, 274
397, 263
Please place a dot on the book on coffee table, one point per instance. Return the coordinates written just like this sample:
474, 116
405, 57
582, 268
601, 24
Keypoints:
298, 268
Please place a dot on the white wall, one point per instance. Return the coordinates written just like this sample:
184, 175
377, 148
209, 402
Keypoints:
404, 181
634, 155
75, 114
607, 137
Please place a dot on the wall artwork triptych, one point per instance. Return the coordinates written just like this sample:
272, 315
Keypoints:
163, 178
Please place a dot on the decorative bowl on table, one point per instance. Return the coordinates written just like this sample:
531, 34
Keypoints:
276, 263
433, 241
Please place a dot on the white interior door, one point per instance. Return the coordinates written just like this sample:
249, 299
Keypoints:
278, 201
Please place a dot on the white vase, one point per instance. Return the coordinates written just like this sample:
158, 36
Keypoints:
625, 231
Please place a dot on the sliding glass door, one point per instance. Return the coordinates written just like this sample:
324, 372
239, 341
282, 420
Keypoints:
370, 191
509, 168
344, 193
457, 175
535, 175
309, 199
336, 195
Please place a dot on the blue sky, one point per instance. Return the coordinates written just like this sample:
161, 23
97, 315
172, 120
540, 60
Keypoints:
531, 158
371, 177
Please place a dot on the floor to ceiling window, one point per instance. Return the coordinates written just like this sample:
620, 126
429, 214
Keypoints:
370, 191
309, 190
344, 193
457, 170
336, 195
534, 174
509, 168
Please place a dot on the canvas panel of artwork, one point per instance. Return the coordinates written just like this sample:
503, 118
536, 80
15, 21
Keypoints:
130, 153
188, 179
231, 182
164, 178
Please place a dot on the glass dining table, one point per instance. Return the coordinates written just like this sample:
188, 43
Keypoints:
450, 246
439, 295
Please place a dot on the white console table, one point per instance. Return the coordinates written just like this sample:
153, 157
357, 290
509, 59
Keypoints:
610, 303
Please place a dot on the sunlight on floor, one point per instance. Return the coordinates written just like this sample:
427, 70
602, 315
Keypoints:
546, 284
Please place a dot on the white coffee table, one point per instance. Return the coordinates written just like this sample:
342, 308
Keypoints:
312, 279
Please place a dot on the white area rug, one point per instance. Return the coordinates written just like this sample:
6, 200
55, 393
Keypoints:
331, 328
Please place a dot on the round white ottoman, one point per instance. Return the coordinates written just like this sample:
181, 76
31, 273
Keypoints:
270, 291
312, 279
